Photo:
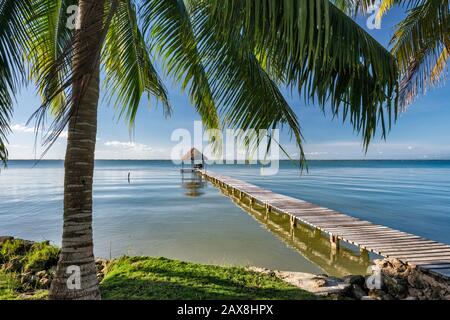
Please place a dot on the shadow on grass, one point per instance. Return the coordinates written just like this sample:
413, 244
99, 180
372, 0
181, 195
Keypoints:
120, 287
150, 278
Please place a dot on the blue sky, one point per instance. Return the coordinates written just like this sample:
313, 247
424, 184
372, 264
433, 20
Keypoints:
421, 133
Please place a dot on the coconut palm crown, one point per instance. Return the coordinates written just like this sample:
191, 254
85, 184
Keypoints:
420, 43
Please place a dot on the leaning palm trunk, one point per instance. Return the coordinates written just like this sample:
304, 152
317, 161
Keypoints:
77, 243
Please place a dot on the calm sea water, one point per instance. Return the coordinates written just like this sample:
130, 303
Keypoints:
163, 214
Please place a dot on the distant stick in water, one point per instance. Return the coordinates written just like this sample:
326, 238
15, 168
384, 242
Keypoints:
129, 174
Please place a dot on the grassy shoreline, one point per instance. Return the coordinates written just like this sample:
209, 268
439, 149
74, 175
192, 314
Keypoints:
23, 264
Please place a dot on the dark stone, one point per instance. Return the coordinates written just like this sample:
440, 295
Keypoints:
378, 294
355, 279
436, 294
396, 287
44, 283
357, 292
42, 274
414, 281
28, 279
5, 238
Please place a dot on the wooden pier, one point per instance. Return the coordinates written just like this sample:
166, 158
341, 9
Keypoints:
425, 254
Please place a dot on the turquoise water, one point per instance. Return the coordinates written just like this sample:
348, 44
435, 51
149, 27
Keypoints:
161, 214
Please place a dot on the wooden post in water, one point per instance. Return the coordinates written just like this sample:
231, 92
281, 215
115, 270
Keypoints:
334, 248
268, 210
252, 202
317, 233
364, 255
293, 224
334, 240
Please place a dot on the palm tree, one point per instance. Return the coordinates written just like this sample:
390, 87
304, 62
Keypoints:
230, 56
421, 42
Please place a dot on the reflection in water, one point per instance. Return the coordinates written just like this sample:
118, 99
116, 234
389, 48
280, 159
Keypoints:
310, 242
193, 183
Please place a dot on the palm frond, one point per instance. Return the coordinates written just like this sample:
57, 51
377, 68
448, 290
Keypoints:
354, 7
418, 44
438, 71
248, 98
321, 51
62, 74
13, 35
168, 28
129, 72
50, 38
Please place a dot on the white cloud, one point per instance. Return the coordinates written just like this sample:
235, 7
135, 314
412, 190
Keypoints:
130, 150
133, 146
17, 146
21, 128
336, 150
315, 153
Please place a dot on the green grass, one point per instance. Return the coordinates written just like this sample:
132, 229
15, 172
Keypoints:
160, 278
144, 278
28, 256
8, 284
10, 289
20, 256
41, 257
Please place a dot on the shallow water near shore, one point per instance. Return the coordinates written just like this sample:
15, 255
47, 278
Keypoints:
162, 213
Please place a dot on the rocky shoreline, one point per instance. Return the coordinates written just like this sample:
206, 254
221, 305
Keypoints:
34, 263
398, 281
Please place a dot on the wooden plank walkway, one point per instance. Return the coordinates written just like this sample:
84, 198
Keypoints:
426, 254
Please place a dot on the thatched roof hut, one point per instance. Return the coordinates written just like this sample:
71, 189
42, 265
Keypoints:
194, 155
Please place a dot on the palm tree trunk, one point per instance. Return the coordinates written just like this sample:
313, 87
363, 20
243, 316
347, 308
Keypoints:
76, 276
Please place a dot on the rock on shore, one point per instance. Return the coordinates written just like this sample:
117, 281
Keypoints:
399, 281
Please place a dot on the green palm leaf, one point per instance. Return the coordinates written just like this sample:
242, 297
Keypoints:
129, 72
316, 48
418, 44
247, 97
49, 40
13, 34
169, 30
